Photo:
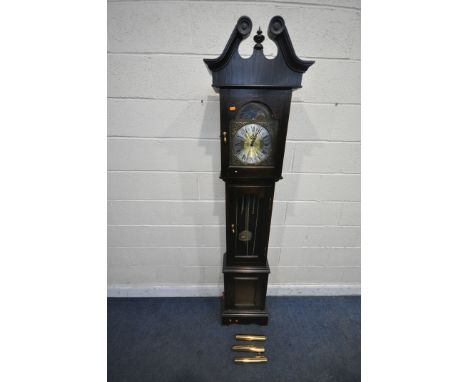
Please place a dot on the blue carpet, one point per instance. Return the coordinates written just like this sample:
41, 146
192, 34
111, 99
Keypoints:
182, 340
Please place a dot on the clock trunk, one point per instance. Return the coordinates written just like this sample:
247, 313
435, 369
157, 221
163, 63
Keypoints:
248, 217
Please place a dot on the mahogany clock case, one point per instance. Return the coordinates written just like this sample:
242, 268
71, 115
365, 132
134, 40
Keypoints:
255, 96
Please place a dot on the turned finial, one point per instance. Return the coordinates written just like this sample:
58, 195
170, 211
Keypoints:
258, 38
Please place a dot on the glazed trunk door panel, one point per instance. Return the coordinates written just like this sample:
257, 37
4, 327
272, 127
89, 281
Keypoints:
248, 218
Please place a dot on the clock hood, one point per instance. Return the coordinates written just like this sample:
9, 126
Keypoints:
284, 71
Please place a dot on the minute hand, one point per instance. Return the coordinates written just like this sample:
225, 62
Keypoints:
254, 139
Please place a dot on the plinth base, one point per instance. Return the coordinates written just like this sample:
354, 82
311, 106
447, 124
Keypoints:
229, 317
245, 288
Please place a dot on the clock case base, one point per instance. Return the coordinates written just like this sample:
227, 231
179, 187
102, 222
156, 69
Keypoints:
246, 317
244, 298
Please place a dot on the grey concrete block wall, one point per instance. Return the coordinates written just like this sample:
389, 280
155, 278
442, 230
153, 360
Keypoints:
166, 201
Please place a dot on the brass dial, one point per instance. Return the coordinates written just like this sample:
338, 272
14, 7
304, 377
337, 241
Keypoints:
252, 144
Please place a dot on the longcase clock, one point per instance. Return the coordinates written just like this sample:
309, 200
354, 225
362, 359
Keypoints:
255, 96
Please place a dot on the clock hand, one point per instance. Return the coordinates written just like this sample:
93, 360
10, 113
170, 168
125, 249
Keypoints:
254, 139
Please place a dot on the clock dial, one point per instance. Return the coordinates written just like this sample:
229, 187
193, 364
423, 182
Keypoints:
252, 144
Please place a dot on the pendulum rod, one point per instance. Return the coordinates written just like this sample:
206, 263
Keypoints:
256, 224
247, 215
